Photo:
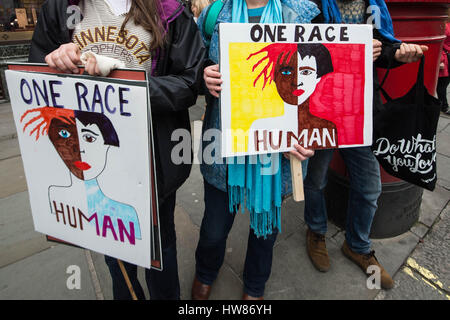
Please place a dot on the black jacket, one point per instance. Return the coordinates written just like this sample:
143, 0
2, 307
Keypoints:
173, 85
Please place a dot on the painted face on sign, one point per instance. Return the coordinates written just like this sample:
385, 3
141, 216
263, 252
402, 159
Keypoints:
64, 137
296, 80
307, 78
285, 77
83, 142
93, 150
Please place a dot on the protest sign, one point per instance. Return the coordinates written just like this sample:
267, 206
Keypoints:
86, 146
285, 84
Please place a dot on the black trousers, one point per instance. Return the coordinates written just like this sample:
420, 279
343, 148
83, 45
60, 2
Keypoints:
162, 285
209, 256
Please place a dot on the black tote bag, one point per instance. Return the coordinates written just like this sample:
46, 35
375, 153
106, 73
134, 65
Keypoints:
404, 140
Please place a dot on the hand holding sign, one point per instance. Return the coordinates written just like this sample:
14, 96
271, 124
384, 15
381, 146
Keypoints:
65, 58
68, 56
98, 65
299, 153
376, 49
91, 66
213, 80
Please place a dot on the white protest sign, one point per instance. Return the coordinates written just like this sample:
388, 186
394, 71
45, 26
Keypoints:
86, 148
285, 84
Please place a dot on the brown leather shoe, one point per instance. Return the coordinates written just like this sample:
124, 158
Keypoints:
199, 290
247, 297
317, 250
366, 260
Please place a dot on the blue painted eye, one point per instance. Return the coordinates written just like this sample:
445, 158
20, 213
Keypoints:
64, 133
286, 72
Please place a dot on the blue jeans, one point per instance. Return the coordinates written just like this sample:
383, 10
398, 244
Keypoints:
365, 188
210, 253
162, 285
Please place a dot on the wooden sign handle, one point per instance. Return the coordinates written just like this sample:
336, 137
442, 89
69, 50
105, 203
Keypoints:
297, 179
127, 279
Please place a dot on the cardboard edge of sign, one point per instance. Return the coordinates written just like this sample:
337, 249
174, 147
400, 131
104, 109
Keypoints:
123, 74
130, 74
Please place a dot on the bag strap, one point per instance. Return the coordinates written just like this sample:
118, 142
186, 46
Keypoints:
380, 87
209, 22
395, 46
420, 84
385, 94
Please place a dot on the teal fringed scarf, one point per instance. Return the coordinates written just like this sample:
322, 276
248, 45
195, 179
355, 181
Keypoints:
272, 12
256, 186
253, 184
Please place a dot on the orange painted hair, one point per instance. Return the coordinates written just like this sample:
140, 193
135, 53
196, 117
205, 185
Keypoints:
276, 53
44, 118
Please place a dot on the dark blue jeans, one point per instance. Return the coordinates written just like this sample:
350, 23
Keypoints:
216, 224
365, 188
162, 285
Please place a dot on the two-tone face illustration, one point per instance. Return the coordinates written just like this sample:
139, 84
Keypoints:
81, 147
296, 79
82, 139
296, 69
64, 138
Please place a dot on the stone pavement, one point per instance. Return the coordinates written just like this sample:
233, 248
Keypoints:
32, 268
